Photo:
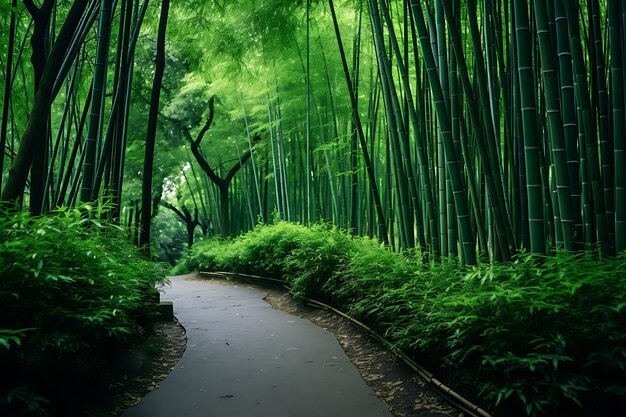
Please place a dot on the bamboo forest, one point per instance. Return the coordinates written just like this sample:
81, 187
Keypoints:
227, 207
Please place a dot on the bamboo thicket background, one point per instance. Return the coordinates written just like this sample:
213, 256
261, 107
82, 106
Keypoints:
462, 128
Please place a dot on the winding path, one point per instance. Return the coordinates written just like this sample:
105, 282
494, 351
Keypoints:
246, 359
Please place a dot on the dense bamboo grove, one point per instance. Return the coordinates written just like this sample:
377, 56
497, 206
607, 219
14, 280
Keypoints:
479, 128
449, 132
475, 128
520, 129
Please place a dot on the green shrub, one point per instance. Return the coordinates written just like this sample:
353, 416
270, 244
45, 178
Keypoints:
265, 249
531, 337
74, 292
370, 275
540, 338
206, 255
305, 257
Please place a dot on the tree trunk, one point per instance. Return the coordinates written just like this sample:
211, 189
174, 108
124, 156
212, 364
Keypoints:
7, 90
146, 189
41, 20
34, 136
224, 211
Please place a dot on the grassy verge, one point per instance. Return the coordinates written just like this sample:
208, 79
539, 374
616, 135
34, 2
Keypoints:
524, 338
74, 294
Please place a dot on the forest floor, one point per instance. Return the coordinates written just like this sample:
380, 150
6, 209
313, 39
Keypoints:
147, 372
403, 392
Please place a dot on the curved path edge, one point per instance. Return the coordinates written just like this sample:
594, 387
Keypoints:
244, 358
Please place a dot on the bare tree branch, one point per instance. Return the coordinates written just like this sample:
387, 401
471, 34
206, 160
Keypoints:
32, 8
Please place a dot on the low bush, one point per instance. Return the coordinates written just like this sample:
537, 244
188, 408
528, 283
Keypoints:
74, 293
205, 255
304, 257
531, 337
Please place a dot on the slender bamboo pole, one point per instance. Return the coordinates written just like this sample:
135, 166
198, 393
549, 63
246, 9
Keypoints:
531, 144
357, 119
616, 51
146, 190
453, 162
589, 131
8, 83
422, 159
94, 131
555, 124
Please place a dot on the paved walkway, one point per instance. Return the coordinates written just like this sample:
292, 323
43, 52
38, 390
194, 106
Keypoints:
246, 359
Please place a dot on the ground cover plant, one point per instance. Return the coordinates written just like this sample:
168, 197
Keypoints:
74, 294
531, 337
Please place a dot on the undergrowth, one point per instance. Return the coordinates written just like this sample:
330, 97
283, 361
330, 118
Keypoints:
74, 293
537, 338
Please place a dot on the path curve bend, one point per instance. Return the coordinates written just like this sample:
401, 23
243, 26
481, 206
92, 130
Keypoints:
246, 359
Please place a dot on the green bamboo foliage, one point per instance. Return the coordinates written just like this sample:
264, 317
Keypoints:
450, 127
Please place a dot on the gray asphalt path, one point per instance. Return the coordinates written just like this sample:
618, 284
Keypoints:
246, 359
